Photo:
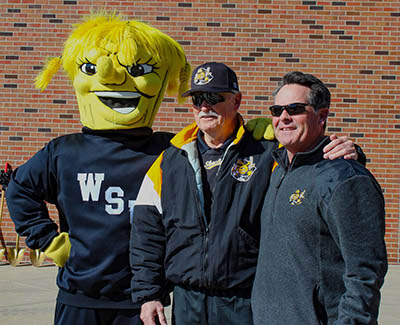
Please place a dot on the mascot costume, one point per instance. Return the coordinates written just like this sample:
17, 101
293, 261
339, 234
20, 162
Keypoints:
120, 71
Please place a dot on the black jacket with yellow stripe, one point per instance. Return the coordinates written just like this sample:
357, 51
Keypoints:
171, 240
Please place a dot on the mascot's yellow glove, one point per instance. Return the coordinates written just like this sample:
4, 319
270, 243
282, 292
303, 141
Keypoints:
59, 249
261, 127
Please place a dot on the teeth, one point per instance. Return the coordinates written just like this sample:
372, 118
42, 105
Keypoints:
117, 94
123, 102
124, 110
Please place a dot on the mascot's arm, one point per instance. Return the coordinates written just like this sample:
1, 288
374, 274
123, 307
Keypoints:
338, 147
31, 186
261, 128
59, 249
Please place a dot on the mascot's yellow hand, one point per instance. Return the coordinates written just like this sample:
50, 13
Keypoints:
59, 249
261, 128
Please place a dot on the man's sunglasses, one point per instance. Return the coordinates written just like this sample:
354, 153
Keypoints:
292, 109
210, 98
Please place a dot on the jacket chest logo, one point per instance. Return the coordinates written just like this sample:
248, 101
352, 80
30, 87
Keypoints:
210, 164
243, 169
297, 197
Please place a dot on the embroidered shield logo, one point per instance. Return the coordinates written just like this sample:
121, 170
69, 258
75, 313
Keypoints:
243, 169
297, 197
203, 76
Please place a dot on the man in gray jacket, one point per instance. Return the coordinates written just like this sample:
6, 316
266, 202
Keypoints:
322, 257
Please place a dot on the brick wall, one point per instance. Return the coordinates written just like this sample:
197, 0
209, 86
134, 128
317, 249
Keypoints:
353, 46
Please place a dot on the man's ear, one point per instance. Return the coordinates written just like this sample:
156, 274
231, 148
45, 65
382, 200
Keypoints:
323, 114
238, 100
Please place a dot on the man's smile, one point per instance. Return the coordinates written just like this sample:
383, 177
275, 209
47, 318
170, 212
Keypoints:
123, 102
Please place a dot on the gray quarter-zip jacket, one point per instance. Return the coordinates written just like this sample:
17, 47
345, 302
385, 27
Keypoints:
322, 253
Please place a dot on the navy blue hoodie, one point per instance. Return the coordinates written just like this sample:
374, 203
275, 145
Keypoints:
93, 178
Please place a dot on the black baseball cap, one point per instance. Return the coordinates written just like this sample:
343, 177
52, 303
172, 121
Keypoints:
213, 77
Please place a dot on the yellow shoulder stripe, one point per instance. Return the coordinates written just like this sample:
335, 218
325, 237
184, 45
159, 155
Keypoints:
150, 191
155, 174
275, 163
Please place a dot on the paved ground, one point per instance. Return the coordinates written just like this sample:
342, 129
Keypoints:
27, 295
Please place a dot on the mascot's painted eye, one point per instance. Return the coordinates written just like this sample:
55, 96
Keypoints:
88, 68
139, 69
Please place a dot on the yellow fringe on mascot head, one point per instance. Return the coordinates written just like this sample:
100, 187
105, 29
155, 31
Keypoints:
120, 71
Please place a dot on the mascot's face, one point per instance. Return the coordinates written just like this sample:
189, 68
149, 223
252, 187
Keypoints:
113, 94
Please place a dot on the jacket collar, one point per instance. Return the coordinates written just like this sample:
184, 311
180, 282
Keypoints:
301, 158
135, 139
190, 134
135, 132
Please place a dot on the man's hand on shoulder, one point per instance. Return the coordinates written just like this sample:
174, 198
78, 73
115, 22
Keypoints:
152, 310
261, 128
340, 147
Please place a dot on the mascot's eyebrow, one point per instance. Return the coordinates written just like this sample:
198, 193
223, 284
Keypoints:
138, 62
82, 61
148, 62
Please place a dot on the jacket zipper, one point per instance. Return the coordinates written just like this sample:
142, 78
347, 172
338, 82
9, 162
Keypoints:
207, 279
205, 264
203, 226
281, 179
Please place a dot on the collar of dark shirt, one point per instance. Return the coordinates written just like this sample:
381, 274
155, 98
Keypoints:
203, 147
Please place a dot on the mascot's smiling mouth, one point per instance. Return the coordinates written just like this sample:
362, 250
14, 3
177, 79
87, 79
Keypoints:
123, 102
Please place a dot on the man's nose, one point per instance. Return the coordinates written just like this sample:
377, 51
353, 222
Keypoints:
109, 73
285, 116
205, 106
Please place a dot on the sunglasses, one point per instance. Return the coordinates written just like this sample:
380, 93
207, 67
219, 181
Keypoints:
210, 98
292, 109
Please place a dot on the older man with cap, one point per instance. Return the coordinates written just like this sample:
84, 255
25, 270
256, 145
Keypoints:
196, 221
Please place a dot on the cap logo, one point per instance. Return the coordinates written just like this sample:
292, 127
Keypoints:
203, 76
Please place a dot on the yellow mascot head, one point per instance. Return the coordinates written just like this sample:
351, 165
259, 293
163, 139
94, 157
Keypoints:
120, 71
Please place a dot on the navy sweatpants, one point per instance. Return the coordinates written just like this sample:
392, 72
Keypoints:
71, 315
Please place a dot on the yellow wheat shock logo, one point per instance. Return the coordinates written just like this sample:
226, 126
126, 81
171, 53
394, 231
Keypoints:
297, 197
203, 76
243, 169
